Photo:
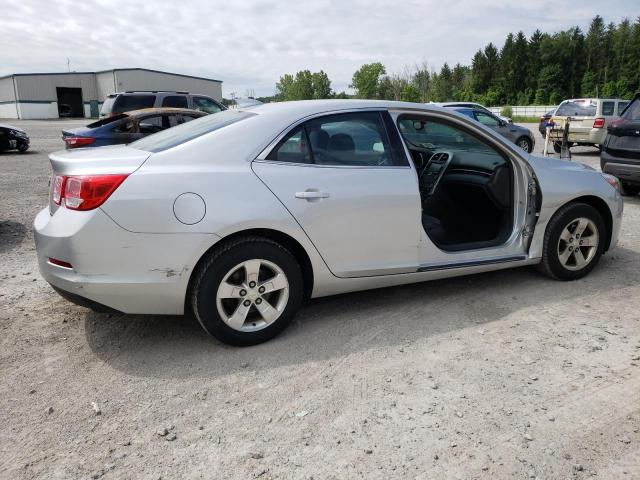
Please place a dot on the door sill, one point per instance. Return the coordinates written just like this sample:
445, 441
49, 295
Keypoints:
476, 263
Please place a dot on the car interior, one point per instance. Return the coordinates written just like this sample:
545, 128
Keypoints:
466, 186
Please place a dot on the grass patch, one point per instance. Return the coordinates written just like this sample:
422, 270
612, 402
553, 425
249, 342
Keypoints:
519, 119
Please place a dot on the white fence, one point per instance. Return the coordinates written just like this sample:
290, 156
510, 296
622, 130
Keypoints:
526, 111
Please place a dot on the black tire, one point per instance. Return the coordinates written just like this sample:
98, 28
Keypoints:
218, 263
629, 190
550, 264
23, 147
522, 141
557, 147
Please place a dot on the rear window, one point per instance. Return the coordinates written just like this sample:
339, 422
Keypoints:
622, 106
608, 108
578, 108
106, 121
188, 131
175, 101
107, 106
126, 103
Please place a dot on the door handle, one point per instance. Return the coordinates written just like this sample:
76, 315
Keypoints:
312, 194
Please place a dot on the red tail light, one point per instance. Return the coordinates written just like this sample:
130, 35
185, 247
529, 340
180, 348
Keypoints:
598, 123
60, 263
85, 192
75, 142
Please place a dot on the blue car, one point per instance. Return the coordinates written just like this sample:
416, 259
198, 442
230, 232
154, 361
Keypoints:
521, 136
127, 127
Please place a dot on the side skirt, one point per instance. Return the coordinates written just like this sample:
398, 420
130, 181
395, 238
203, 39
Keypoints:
493, 261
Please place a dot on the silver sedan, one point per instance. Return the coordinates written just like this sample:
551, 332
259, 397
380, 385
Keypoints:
239, 217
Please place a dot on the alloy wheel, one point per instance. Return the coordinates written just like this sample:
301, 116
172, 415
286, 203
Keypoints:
252, 295
578, 244
524, 145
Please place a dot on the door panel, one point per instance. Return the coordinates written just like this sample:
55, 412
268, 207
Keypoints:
363, 221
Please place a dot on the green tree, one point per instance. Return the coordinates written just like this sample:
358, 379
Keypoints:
410, 93
303, 86
366, 80
421, 80
321, 85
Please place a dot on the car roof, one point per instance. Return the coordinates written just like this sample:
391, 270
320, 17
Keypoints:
459, 104
136, 92
161, 110
302, 108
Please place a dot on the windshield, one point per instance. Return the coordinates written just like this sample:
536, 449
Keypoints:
579, 108
188, 131
436, 136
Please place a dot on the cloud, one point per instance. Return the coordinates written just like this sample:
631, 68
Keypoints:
251, 44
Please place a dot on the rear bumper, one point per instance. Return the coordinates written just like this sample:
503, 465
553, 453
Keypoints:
625, 169
122, 270
595, 136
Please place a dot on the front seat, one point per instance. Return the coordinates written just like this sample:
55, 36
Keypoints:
341, 148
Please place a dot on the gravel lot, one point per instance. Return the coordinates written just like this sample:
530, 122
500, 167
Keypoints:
500, 375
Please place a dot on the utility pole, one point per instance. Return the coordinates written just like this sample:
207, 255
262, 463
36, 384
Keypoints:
68, 64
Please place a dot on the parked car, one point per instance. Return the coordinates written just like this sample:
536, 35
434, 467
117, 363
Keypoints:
521, 136
621, 148
64, 110
473, 105
589, 120
241, 215
13, 138
136, 100
542, 126
127, 127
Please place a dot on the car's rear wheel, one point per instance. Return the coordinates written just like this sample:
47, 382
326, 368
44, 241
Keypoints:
573, 243
525, 144
630, 190
248, 291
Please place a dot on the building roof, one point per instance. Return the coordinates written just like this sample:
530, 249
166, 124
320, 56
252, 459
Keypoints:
110, 70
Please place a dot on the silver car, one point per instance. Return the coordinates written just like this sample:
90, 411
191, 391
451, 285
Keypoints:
240, 216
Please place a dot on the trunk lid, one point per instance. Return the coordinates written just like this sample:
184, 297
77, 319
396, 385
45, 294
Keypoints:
117, 159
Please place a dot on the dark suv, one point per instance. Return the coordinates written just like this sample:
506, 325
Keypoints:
621, 148
127, 101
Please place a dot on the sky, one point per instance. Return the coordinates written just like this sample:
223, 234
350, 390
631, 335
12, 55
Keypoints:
250, 44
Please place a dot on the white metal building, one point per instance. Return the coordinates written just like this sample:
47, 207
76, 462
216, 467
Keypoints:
80, 94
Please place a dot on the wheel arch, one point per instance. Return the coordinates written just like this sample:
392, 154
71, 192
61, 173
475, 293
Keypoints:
603, 209
287, 241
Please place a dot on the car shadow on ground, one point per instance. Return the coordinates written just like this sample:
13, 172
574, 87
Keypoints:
333, 327
15, 153
11, 235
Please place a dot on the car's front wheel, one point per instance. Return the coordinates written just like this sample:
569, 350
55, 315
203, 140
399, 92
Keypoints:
248, 291
525, 144
23, 147
573, 242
